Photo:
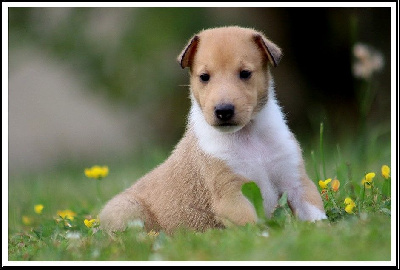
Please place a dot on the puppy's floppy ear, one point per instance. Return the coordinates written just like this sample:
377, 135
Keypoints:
272, 51
185, 58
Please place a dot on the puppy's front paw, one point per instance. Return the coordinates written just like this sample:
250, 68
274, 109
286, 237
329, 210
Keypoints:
111, 219
310, 212
118, 212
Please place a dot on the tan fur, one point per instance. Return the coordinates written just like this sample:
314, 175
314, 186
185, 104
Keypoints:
243, 49
190, 189
193, 189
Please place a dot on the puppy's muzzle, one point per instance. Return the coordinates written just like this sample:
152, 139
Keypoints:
224, 113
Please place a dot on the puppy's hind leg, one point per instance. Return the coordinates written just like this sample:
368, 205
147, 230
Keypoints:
119, 211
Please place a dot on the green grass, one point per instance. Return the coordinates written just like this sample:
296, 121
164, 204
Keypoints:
364, 235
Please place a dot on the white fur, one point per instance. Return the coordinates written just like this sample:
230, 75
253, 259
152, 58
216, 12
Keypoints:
310, 212
263, 151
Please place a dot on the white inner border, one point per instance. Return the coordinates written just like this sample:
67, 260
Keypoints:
393, 167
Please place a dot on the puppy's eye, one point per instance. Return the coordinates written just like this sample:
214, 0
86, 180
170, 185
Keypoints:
205, 77
245, 74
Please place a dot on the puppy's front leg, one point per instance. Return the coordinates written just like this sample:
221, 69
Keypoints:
231, 206
306, 202
235, 209
120, 210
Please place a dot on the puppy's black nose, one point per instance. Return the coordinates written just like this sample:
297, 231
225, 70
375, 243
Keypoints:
224, 111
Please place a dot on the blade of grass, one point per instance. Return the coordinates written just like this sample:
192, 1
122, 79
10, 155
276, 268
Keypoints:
321, 148
315, 165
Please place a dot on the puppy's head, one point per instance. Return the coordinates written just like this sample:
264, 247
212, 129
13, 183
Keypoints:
229, 74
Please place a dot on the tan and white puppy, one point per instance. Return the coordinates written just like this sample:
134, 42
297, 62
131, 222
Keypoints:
236, 133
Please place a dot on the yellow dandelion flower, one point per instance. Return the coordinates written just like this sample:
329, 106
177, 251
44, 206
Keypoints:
96, 172
348, 200
367, 180
385, 171
335, 185
91, 222
26, 220
369, 177
324, 184
66, 214
349, 208
38, 208
349, 205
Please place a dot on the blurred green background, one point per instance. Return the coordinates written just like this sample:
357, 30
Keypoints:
102, 85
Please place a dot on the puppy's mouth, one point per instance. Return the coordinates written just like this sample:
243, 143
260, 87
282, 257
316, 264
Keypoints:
226, 124
227, 127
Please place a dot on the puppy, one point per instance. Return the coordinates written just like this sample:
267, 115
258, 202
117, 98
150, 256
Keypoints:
235, 133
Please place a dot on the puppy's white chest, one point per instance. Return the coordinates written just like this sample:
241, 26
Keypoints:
254, 158
264, 151
260, 158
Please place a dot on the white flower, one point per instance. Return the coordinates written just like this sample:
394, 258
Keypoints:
73, 235
74, 239
367, 61
95, 254
264, 234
